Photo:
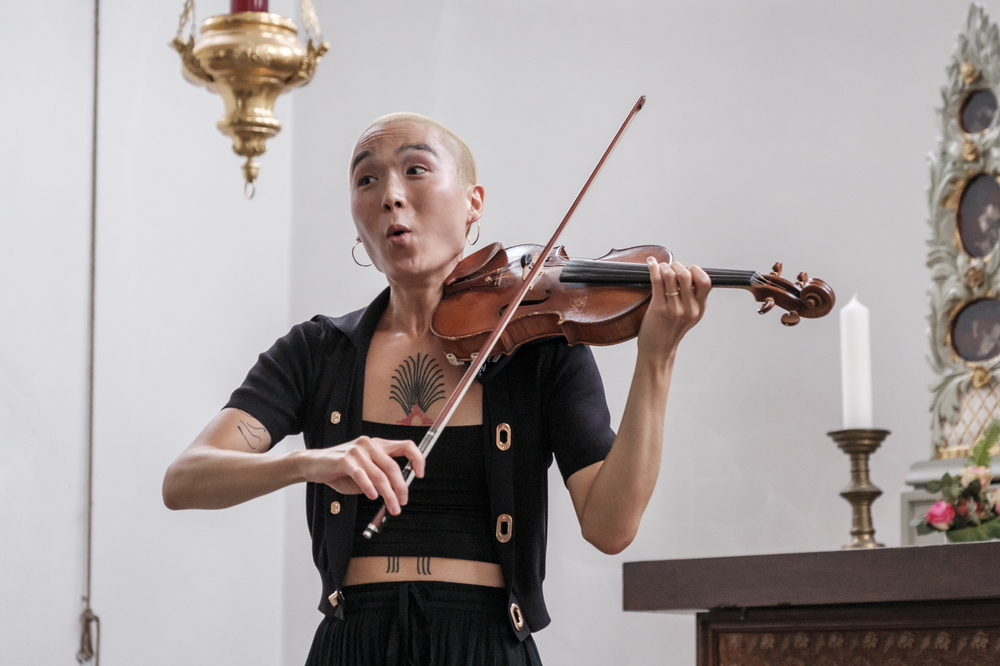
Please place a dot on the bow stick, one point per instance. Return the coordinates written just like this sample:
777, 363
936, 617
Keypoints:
479, 359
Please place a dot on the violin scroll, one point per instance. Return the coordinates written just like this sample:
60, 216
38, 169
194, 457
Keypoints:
806, 297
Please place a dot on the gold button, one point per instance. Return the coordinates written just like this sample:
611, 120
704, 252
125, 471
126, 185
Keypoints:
515, 615
503, 436
335, 508
335, 598
334, 417
505, 528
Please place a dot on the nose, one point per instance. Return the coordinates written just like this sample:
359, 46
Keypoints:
393, 196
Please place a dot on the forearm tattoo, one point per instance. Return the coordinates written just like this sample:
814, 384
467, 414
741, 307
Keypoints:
392, 564
416, 385
423, 566
249, 433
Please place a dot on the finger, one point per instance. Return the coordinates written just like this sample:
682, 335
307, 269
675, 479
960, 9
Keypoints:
357, 474
702, 282
384, 455
387, 476
655, 279
683, 276
671, 290
406, 447
383, 486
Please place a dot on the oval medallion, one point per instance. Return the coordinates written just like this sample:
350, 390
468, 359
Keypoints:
978, 111
975, 331
979, 215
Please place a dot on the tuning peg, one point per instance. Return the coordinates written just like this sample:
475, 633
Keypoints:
790, 318
766, 306
802, 278
776, 269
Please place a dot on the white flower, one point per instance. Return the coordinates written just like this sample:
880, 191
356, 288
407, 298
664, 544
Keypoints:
971, 473
994, 498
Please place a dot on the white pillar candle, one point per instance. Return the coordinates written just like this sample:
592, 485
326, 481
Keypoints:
856, 365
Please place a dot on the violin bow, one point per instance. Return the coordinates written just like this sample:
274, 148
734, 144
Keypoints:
480, 357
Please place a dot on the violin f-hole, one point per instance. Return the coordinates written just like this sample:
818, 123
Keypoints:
527, 301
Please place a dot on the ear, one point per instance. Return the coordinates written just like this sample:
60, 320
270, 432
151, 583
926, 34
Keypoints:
476, 194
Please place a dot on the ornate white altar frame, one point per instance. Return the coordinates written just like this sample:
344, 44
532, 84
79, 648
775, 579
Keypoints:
966, 395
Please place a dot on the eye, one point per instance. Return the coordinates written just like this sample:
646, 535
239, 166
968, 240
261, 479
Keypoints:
365, 180
416, 170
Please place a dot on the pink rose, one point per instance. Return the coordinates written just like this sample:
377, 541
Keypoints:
940, 515
974, 472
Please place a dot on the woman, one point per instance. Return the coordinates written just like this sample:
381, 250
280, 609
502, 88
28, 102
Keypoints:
456, 577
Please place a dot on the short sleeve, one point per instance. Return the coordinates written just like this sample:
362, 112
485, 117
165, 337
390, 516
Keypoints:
578, 423
277, 389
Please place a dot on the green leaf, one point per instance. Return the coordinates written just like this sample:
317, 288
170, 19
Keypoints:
985, 532
933, 486
975, 488
924, 529
981, 451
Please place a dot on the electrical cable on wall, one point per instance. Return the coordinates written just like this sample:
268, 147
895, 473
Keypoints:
89, 647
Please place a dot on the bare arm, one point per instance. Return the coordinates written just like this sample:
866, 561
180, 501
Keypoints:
610, 497
228, 463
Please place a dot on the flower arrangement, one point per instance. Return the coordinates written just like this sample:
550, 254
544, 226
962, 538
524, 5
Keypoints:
968, 509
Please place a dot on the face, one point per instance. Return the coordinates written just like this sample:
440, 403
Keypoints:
409, 207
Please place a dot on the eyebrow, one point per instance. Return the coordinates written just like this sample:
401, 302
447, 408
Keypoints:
357, 159
417, 146
402, 149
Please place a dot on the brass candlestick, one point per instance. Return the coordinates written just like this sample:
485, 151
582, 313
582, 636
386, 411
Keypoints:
860, 443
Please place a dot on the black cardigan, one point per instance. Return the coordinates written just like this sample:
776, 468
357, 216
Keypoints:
550, 395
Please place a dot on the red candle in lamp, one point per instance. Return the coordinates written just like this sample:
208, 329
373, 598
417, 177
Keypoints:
247, 6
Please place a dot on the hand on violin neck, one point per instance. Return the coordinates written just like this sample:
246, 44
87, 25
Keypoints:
679, 295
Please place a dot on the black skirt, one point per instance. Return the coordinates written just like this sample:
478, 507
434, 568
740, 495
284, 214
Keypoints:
425, 623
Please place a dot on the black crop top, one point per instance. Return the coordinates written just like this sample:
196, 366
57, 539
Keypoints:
448, 514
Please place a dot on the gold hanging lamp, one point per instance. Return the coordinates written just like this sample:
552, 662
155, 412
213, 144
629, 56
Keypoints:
249, 56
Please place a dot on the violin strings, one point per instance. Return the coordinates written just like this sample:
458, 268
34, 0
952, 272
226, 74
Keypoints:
617, 272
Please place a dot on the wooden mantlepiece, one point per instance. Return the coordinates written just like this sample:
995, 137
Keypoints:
930, 604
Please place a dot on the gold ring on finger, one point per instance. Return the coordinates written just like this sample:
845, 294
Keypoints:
671, 293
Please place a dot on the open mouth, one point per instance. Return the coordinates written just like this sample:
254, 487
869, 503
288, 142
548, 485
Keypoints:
396, 230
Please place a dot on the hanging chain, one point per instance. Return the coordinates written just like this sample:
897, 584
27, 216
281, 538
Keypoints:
89, 648
186, 15
310, 21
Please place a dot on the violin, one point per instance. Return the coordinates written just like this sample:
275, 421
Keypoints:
587, 301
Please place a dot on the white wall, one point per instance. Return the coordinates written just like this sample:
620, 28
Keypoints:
44, 232
774, 130
192, 285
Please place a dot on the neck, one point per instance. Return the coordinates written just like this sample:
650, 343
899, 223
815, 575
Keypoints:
412, 303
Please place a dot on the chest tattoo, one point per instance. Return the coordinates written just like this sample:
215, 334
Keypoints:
416, 385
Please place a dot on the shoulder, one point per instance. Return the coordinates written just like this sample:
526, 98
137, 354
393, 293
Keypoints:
324, 329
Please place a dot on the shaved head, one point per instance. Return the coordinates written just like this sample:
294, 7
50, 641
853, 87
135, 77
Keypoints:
465, 163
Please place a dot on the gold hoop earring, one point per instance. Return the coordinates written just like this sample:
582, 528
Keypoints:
356, 259
468, 232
